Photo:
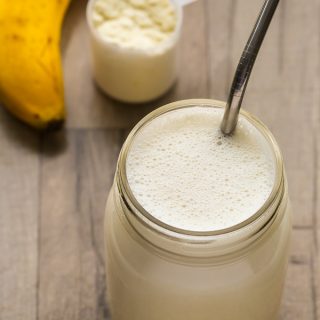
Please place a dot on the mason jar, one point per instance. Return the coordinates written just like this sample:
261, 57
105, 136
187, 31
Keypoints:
158, 272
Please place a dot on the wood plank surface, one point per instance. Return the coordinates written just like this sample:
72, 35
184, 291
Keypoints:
298, 300
54, 186
19, 211
73, 192
220, 20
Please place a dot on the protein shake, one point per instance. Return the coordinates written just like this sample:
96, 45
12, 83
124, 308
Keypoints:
197, 224
184, 172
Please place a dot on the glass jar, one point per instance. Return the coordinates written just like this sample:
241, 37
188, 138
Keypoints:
158, 272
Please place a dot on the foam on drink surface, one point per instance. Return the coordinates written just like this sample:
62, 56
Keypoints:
186, 174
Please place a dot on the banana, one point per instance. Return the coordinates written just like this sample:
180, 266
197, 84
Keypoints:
31, 81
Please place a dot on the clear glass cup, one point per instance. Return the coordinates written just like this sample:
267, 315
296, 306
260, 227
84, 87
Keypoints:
155, 271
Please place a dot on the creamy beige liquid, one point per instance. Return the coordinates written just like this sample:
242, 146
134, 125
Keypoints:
186, 175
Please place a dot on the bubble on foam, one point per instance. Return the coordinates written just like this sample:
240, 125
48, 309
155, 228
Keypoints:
186, 174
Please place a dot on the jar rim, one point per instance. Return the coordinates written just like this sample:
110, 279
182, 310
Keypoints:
173, 232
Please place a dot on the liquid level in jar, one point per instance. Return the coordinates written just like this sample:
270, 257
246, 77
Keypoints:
186, 174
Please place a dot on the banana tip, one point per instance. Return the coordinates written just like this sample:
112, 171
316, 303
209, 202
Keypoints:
54, 125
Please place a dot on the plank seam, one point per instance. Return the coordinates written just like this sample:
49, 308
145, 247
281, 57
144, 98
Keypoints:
40, 158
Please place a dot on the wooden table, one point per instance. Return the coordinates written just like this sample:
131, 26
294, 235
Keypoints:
54, 186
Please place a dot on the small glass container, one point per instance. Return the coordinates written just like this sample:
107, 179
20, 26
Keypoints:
134, 75
156, 272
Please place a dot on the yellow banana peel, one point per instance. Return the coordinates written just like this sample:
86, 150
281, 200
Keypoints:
31, 81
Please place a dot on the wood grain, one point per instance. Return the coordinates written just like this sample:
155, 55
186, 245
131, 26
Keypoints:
73, 191
298, 303
316, 182
220, 19
192, 82
298, 296
316, 285
19, 210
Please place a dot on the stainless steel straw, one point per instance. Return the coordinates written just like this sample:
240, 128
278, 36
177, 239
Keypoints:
247, 60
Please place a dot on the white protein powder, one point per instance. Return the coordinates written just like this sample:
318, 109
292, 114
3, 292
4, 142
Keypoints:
134, 46
185, 173
140, 24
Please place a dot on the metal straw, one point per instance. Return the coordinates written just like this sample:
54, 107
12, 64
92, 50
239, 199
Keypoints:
247, 60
